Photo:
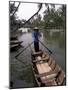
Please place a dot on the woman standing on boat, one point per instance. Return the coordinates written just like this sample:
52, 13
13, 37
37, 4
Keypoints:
36, 34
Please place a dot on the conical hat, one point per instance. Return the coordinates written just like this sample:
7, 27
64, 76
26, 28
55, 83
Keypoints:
36, 28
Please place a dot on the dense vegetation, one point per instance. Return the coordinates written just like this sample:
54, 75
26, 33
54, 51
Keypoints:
52, 18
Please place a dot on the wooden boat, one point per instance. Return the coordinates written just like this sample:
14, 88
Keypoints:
15, 42
14, 45
13, 38
45, 69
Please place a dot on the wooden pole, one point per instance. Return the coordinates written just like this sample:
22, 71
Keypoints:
23, 50
46, 47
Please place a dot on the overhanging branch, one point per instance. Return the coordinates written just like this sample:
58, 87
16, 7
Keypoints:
16, 9
33, 15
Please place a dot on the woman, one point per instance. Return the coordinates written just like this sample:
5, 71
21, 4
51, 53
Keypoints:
36, 34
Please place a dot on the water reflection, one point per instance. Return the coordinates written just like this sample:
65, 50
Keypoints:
56, 42
55, 38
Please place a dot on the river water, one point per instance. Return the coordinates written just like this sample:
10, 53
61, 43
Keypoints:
21, 68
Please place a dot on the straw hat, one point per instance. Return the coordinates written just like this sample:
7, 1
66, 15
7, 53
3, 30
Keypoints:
36, 28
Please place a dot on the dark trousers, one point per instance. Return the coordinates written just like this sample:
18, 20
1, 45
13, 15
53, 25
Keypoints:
36, 46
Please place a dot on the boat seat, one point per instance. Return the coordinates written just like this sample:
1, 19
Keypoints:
58, 80
51, 83
56, 70
42, 67
49, 80
45, 71
48, 77
45, 76
49, 71
39, 59
35, 54
49, 74
45, 56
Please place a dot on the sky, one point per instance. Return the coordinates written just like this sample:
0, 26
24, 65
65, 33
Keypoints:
26, 10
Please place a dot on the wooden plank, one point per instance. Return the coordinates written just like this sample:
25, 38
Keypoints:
15, 42
36, 78
50, 61
57, 68
39, 68
45, 56
39, 53
60, 78
35, 61
13, 37
47, 80
47, 74
47, 68
53, 65
43, 59
43, 67
15, 45
51, 83
48, 71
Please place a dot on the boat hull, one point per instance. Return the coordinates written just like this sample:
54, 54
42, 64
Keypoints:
46, 71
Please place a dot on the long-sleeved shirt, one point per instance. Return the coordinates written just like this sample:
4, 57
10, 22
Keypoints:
36, 36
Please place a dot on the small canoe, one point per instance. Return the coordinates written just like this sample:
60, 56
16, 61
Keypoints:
13, 38
15, 42
46, 71
14, 45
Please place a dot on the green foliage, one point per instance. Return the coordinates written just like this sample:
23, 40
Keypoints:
37, 21
14, 23
53, 18
12, 17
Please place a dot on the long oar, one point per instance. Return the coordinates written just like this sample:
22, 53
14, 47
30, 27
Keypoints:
46, 47
23, 50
